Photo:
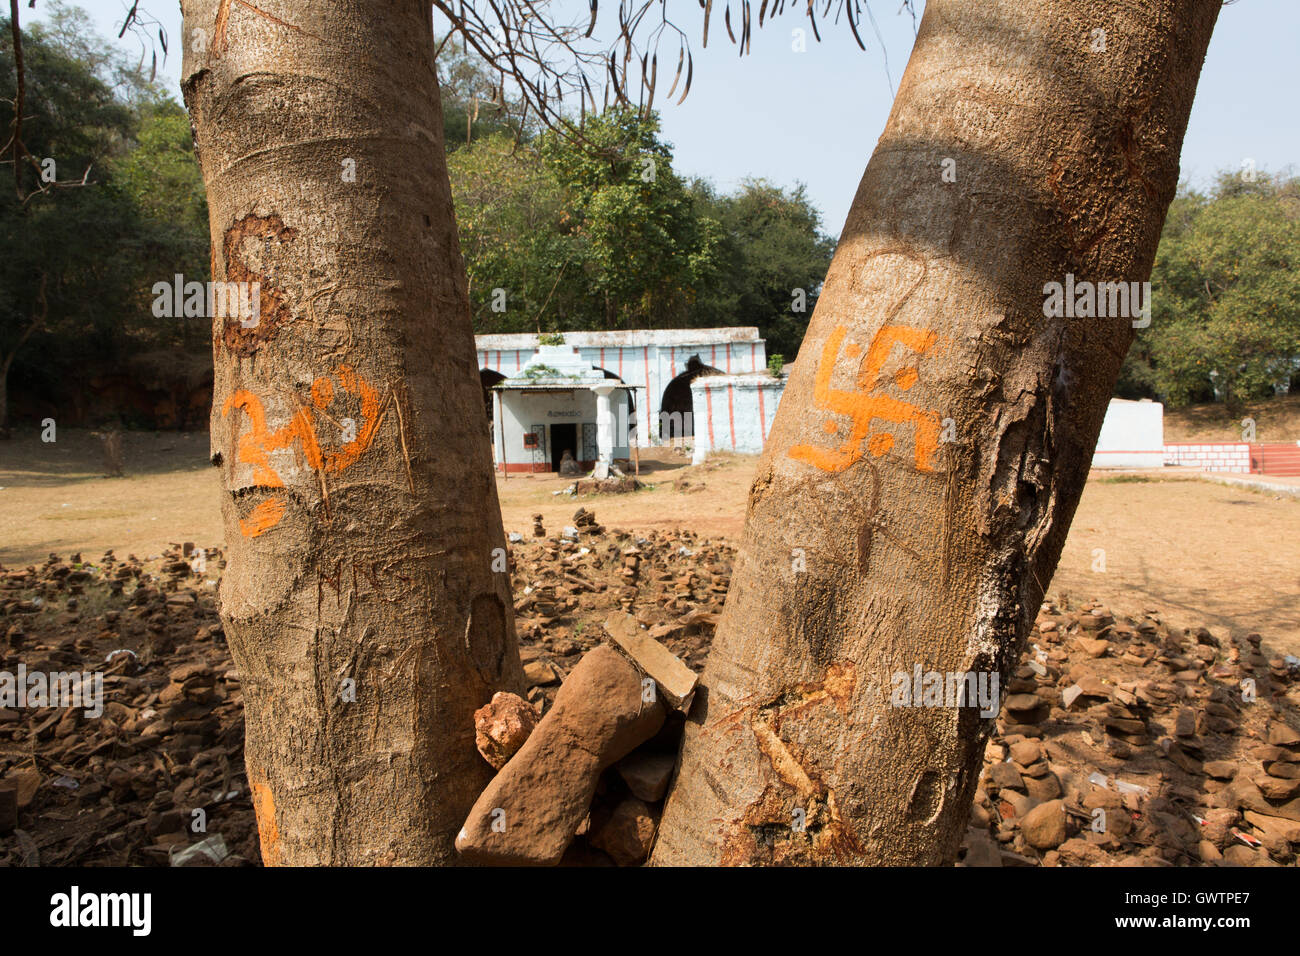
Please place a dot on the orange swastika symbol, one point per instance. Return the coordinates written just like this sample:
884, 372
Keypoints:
863, 406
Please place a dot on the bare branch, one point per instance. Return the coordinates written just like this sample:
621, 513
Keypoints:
548, 60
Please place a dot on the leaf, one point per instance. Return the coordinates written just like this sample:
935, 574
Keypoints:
690, 72
848, 8
681, 60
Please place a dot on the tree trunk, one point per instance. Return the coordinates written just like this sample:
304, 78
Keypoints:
366, 610
936, 433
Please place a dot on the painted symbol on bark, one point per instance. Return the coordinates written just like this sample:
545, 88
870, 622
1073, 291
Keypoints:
273, 310
256, 445
864, 405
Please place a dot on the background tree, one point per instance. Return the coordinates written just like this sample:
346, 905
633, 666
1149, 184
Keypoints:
95, 249
513, 219
773, 259
475, 103
647, 254
603, 233
1226, 292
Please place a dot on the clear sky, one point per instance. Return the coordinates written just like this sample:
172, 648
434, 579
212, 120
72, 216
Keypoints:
814, 117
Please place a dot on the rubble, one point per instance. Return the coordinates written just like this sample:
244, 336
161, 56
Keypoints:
123, 789
502, 725
1187, 740
531, 810
674, 680
1162, 747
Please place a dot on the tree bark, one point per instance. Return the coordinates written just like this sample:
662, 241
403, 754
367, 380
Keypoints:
933, 441
360, 599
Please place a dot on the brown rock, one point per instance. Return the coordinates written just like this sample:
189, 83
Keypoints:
1279, 734
531, 810
674, 680
1044, 826
1277, 788
1288, 830
1005, 777
1094, 646
647, 775
1240, 855
502, 726
1044, 788
540, 673
1219, 823
8, 809
628, 834
1221, 769
1026, 752
25, 783
1079, 852
1013, 805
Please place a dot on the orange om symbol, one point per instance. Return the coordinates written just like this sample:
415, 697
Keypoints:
255, 447
863, 406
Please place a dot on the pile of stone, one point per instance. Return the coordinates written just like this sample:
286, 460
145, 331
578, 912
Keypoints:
673, 583
593, 770
614, 484
1126, 742
158, 778
1121, 740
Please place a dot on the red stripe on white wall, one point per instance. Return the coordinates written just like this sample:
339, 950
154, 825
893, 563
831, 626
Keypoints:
646, 357
753, 357
708, 403
762, 417
731, 416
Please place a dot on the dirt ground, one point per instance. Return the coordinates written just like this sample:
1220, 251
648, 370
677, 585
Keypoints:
1217, 554
1276, 420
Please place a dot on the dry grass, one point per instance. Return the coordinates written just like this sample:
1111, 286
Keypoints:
1276, 420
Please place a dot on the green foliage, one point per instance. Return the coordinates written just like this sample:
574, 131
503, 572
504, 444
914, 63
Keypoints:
550, 338
511, 214
541, 371
94, 249
473, 107
603, 234
1226, 296
775, 363
773, 249
645, 253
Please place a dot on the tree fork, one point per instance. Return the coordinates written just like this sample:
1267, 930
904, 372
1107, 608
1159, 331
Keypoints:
931, 447
366, 608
